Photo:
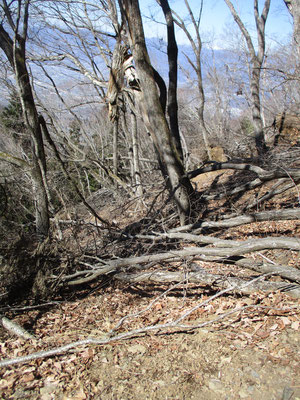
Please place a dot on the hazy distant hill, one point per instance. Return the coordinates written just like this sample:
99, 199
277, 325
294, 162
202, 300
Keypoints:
209, 57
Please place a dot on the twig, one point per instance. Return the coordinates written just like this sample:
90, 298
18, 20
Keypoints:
123, 336
128, 335
122, 320
15, 328
228, 313
230, 288
27, 308
294, 183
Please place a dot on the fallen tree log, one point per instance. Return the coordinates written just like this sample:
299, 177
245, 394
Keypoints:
189, 237
263, 175
201, 253
276, 189
249, 186
206, 279
277, 215
284, 271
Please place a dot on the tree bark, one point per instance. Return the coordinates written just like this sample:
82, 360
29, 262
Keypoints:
172, 51
180, 185
263, 174
294, 8
220, 254
115, 146
213, 280
197, 67
15, 52
135, 156
257, 59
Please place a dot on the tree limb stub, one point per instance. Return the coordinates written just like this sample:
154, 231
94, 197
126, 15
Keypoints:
15, 328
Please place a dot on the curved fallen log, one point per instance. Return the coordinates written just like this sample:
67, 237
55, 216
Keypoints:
249, 186
263, 174
237, 190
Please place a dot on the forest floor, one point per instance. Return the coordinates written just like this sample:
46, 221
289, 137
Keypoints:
253, 353
251, 356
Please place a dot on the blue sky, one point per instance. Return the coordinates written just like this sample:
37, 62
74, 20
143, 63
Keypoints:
216, 19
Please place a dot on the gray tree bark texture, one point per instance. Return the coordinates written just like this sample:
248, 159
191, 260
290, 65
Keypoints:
294, 8
196, 44
204, 278
15, 51
137, 179
180, 185
223, 251
172, 51
257, 59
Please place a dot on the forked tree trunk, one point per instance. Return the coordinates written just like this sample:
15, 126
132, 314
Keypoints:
257, 59
180, 186
196, 44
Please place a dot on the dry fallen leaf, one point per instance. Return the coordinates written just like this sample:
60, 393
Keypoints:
7, 383
285, 320
158, 306
263, 334
78, 395
28, 377
295, 325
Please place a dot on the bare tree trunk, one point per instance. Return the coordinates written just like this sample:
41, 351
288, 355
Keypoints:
115, 85
197, 67
173, 75
294, 8
135, 156
256, 108
115, 147
161, 135
14, 50
257, 59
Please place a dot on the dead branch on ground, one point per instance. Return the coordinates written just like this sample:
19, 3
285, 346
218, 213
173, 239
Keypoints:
223, 251
15, 328
261, 176
175, 326
227, 222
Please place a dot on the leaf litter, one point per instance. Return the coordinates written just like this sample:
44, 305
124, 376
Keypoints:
252, 353
261, 337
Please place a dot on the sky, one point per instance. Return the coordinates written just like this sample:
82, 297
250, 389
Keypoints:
216, 19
